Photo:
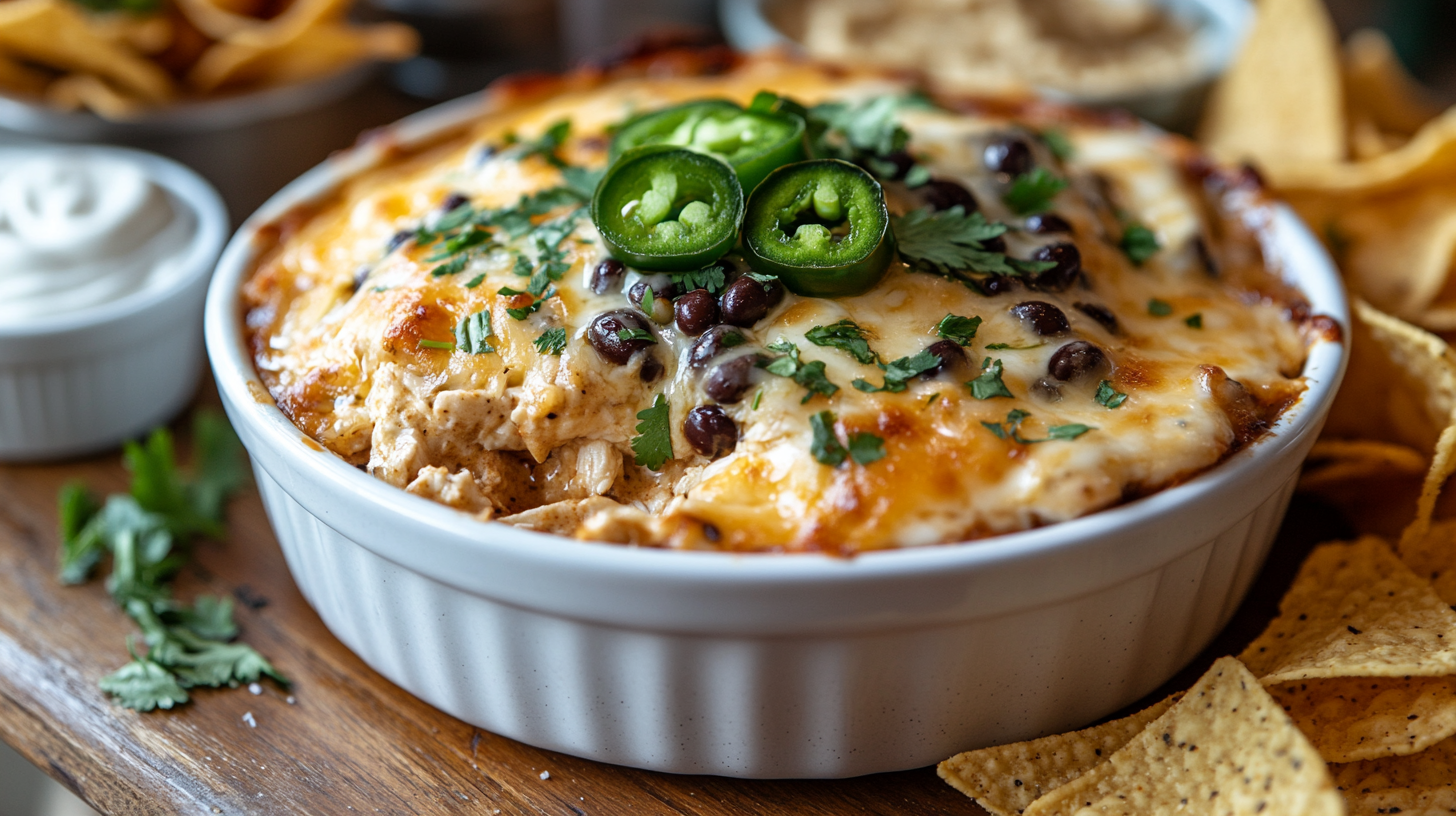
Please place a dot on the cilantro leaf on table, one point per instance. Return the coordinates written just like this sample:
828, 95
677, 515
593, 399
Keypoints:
1032, 192
989, 385
962, 330
809, 375
949, 241
146, 532
653, 444
845, 335
1139, 244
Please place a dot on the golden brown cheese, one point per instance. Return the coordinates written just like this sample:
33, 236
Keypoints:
338, 312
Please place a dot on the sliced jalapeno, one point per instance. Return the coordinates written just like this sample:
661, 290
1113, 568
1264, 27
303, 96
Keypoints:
822, 227
754, 142
668, 208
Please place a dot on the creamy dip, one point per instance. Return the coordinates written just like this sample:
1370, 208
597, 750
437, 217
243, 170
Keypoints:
80, 228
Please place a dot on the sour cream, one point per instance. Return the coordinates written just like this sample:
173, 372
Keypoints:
81, 228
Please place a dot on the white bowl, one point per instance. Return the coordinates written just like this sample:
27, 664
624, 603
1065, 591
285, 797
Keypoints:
83, 381
763, 665
1219, 25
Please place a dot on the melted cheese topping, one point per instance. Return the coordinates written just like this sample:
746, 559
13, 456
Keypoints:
543, 441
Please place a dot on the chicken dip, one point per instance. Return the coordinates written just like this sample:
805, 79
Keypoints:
756, 304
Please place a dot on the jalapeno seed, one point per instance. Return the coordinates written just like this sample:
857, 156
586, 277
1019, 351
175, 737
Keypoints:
607, 276
605, 330
696, 312
710, 431
1042, 317
728, 382
1008, 155
1076, 360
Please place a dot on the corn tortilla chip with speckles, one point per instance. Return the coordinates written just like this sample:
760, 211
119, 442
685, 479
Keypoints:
1355, 610
1356, 718
1006, 779
1226, 748
1433, 557
1423, 783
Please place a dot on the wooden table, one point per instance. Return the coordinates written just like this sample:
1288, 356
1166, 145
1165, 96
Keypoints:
352, 742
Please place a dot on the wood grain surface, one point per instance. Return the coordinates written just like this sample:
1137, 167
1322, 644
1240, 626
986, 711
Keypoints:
352, 742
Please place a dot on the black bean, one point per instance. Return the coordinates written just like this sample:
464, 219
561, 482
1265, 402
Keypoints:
728, 382
1048, 389
710, 431
607, 276
1047, 222
1008, 155
996, 244
651, 368
996, 285
696, 312
712, 343
1101, 314
452, 201
942, 194
952, 357
1042, 317
398, 239
744, 302
1068, 268
1076, 360
603, 333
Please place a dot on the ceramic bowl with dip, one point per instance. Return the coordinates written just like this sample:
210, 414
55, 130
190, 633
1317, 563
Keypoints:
105, 255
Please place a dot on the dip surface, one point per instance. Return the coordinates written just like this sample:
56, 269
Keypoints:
1151, 342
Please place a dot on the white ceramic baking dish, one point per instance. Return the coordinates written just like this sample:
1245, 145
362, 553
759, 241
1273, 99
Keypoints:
764, 665
83, 381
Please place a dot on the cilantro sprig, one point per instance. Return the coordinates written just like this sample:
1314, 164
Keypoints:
146, 532
952, 243
652, 446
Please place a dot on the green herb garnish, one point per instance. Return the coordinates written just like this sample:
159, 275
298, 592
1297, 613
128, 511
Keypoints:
1011, 429
1009, 347
471, 333
899, 372
1139, 244
145, 530
989, 384
1109, 396
628, 335
951, 242
824, 445
1194, 321
1159, 308
551, 341
710, 278
653, 444
436, 344
1033, 192
846, 336
809, 375
960, 329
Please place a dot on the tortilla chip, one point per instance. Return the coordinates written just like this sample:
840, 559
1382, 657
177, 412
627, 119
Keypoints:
1355, 610
1224, 749
54, 33
79, 91
1429, 155
1336, 461
1433, 557
1355, 718
1417, 784
308, 54
1007, 778
16, 77
1442, 465
1378, 89
1281, 100
226, 21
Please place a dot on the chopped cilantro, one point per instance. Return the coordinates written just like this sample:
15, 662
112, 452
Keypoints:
899, 372
1009, 347
1109, 396
653, 444
628, 335
1058, 143
1033, 192
865, 448
471, 333
933, 398
436, 344
709, 277
1011, 429
551, 341
523, 266
824, 445
145, 531
843, 130
949, 241
523, 312
917, 176
1159, 308
582, 181
846, 336
1139, 244
809, 375
989, 384
731, 339
475, 281
547, 143
757, 398
1194, 321
960, 329
451, 267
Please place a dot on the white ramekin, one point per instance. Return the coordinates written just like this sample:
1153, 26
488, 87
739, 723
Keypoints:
81, 382
766, 665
